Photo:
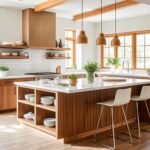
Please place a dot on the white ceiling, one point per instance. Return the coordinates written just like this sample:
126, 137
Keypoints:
72, 7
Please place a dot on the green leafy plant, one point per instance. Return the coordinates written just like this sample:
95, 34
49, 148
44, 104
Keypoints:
114, 62
3, 68
91, 67
73, 77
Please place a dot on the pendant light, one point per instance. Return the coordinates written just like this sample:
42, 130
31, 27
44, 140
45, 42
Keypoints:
115, 41
82, 38
101, 39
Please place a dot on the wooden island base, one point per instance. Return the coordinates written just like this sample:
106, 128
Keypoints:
76, 113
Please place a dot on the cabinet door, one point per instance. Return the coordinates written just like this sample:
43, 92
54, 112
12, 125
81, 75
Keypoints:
9, 97
8, 93
1, 97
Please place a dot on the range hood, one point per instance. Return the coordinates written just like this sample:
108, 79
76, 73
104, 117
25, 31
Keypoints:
39, 29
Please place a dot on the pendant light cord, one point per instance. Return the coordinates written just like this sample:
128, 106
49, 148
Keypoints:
101, 17
82, 13
115, 18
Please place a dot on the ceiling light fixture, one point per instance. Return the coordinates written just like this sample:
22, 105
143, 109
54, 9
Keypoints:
101, 39
115, 41
82, 38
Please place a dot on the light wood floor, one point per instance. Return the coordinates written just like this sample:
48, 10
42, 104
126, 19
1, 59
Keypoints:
16, 136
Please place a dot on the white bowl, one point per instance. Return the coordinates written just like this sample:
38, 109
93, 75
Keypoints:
47, 100
14, 54
5, 54
27, 96
50, 122
32, 99
47, 103
29, 116
3, 73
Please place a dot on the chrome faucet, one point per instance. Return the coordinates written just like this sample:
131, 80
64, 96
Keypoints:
123, 65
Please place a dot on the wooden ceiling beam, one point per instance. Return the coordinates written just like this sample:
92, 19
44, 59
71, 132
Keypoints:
105, 9
48, 4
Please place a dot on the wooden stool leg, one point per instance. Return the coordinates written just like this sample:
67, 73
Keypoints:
113, 128
147, 109
138, 120
98, 123
127, 124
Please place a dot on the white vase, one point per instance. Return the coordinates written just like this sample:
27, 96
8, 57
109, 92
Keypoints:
3, 73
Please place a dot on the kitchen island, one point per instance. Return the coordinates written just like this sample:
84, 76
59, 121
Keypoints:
75, 111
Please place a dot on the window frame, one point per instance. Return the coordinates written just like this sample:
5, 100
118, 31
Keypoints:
73, 40
134, 48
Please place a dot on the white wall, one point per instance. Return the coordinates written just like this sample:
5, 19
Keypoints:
11, 30
126, 25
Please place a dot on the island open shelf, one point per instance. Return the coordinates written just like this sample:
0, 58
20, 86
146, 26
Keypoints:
40, 111
76, 111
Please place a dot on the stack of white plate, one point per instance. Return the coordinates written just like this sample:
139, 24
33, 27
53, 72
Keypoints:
50, 122
47, 100
29, 116
29, 97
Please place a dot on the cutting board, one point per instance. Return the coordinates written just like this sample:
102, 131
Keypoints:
114, 79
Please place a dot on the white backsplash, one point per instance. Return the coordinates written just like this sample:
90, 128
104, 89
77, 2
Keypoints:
37, 62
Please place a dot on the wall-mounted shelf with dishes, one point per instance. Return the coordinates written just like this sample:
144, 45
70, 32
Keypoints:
14, 55
59, 49
13, 47
58, 53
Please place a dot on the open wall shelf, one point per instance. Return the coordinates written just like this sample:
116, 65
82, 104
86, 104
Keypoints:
13, 47
48, 57
59, 49
14, 57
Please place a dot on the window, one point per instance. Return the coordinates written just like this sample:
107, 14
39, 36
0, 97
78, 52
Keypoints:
108, 51
135, 47
143, 51
124, 52
70, 37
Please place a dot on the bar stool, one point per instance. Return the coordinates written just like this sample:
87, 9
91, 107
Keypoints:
122, 98
144, 96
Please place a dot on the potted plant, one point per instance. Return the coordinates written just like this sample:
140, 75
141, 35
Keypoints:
73, 79
3, 71
114, 63
91, 68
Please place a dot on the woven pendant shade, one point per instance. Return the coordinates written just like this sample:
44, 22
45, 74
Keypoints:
101, 40
115, 41
82, 38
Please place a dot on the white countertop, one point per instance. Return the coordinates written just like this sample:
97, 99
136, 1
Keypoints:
124, 74
16, 77
83, 85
